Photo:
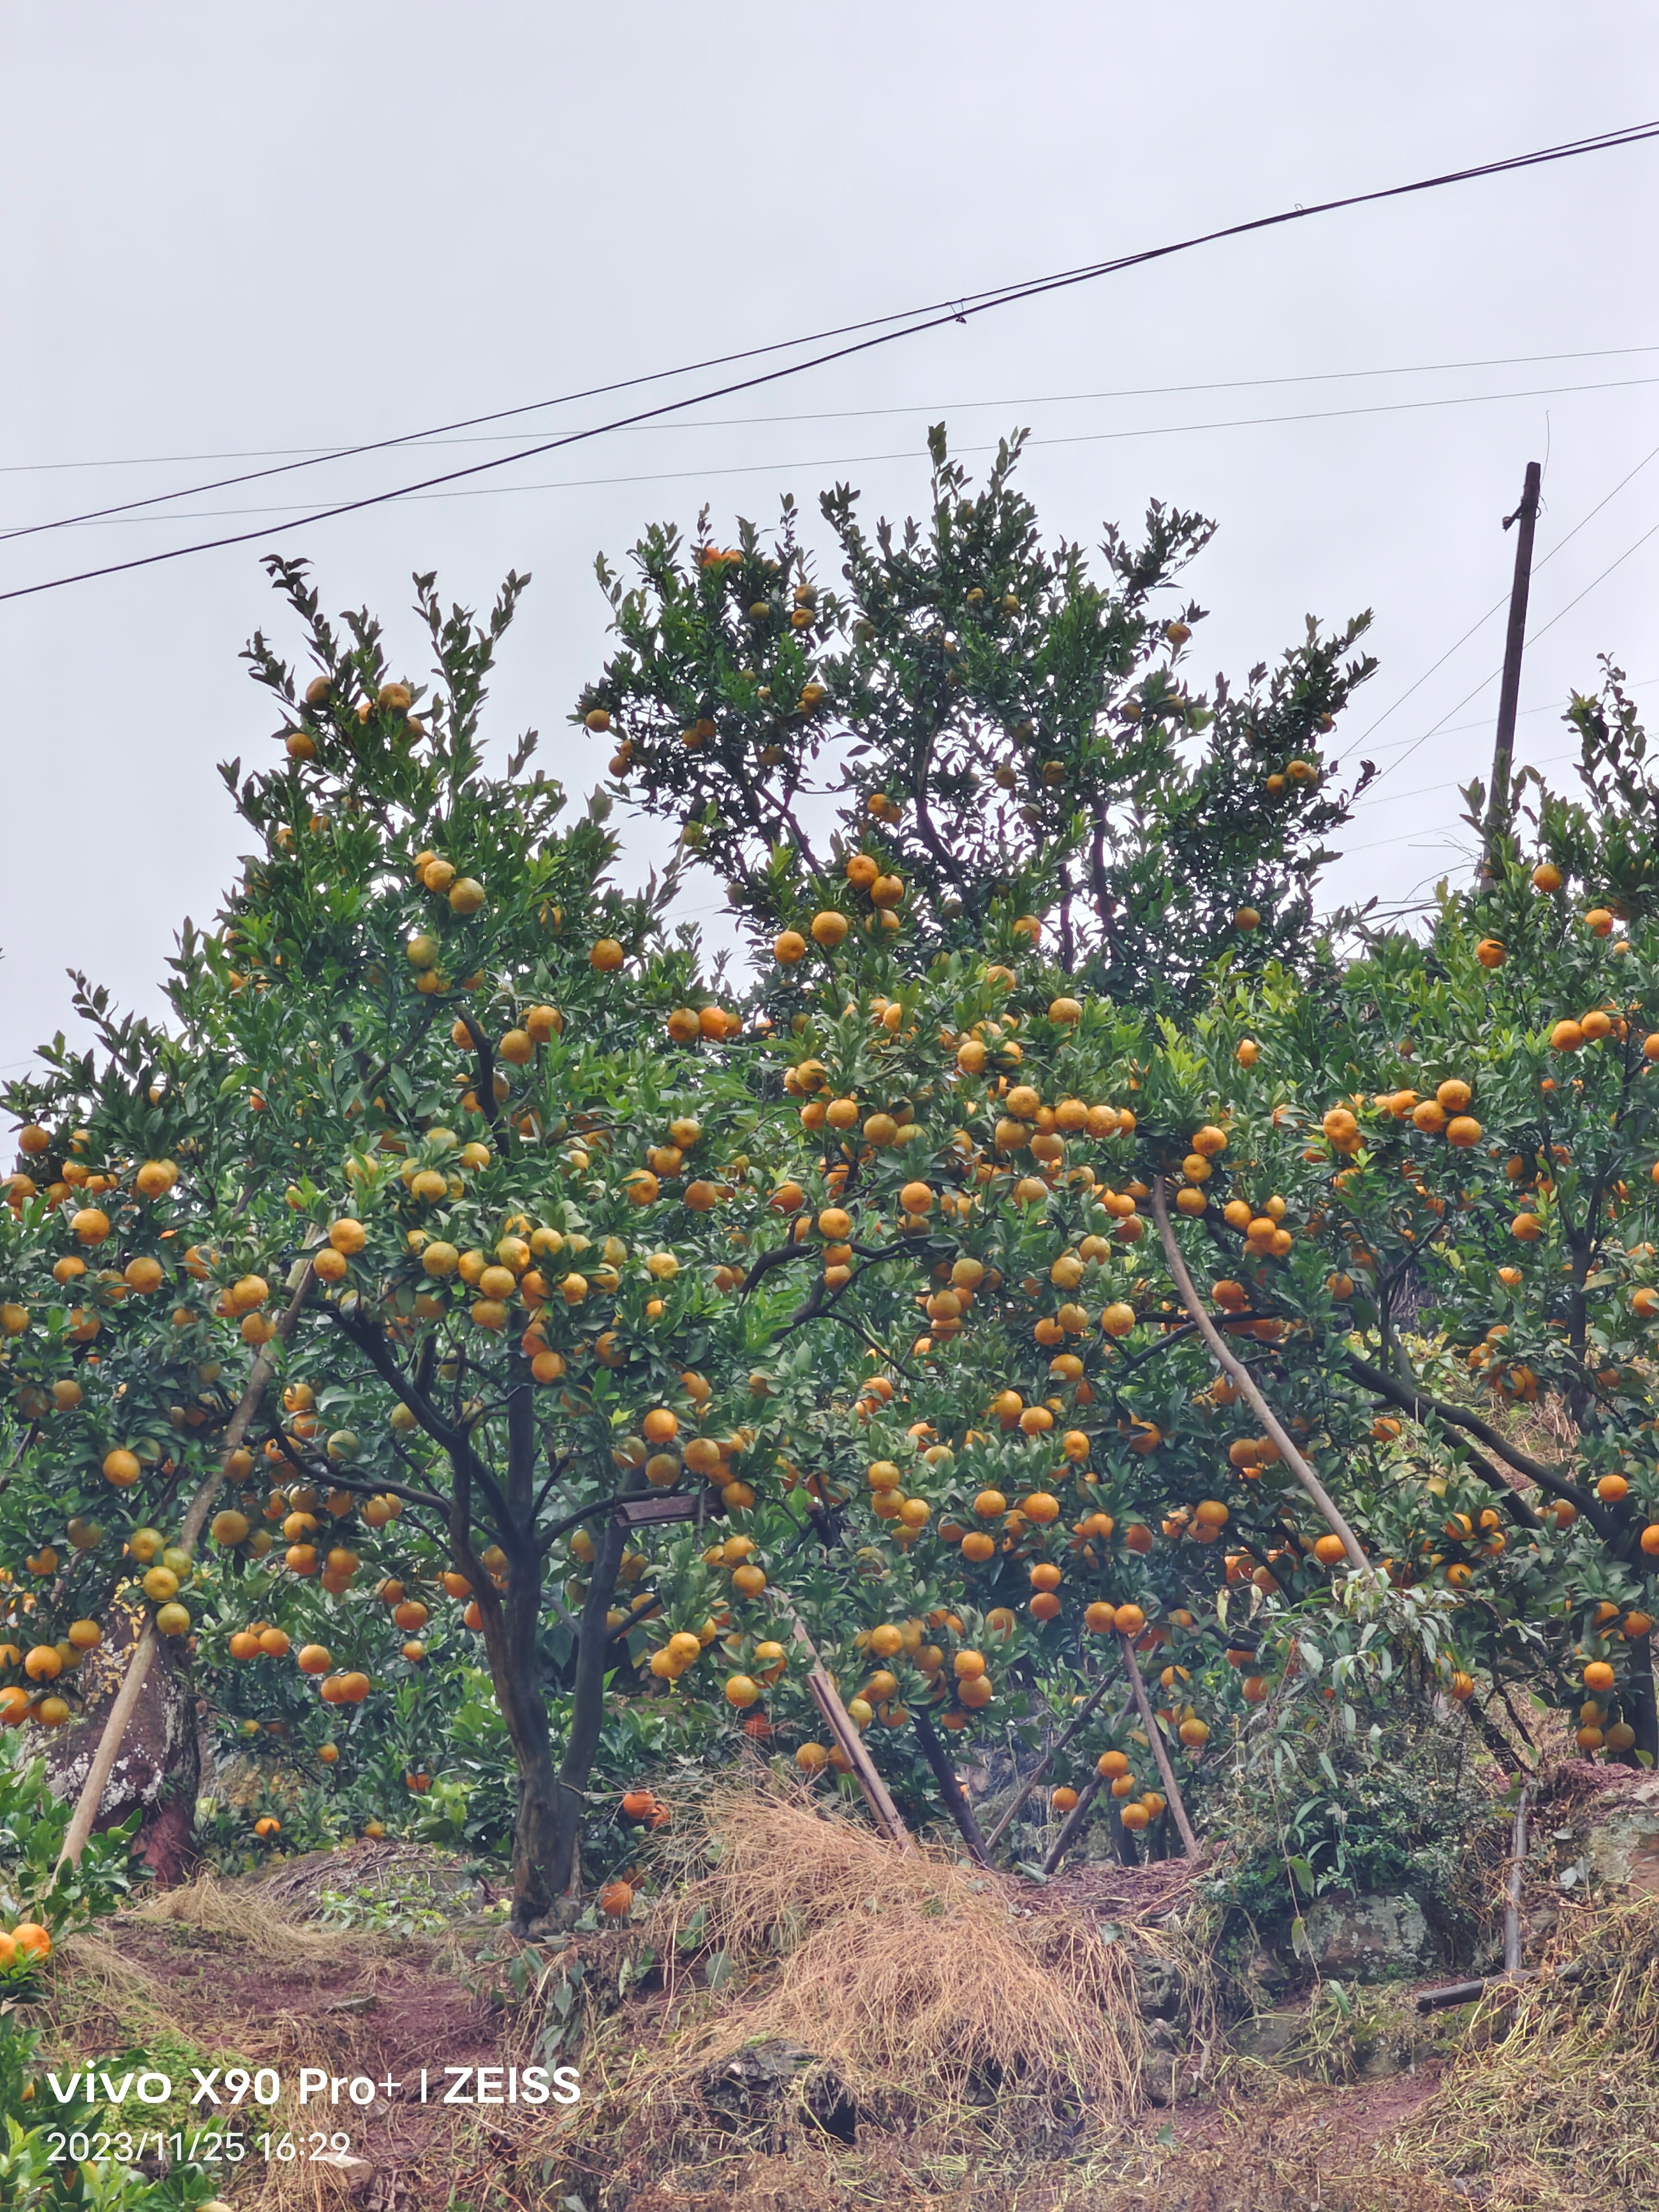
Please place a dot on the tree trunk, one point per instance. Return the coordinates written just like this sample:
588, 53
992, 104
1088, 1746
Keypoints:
586, 1711
511, 1624
955, 1800
1643, 1707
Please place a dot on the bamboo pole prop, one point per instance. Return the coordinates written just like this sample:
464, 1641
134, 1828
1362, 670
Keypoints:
841, 1725
1512, 1887
1041, 1768
1155, 1735
1246, 1382
1074, 1819
143, 1652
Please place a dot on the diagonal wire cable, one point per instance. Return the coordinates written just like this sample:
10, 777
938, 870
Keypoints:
921, 320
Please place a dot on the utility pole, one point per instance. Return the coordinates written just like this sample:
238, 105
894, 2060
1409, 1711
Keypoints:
1497, 806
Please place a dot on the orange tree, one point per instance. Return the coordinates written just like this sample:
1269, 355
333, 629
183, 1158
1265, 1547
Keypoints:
1373, 1131
1003, 727
444, 1138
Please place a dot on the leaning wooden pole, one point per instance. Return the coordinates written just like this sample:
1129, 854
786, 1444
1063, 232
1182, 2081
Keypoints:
1241, 1374
1155, 1737
143, 1652
842, 1726
1512, 1886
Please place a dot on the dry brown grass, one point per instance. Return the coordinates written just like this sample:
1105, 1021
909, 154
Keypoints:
939, 2011
1553, 2104
247, 1915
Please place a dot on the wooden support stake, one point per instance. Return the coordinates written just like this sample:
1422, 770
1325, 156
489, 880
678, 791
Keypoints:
1149, 1722
143, 1652
1512, 1900
841, 1725
1041, 1768
1241, 1374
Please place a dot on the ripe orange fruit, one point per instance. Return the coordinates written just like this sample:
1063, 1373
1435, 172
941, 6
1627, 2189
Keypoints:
1330, 1551
1598, 1675
1063, 1799
1547, 877
32, 1939
812, 1758
617, 1901
313, 1659
1129, 1620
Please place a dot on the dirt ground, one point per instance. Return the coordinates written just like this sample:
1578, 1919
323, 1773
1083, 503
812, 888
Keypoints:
1546, 2101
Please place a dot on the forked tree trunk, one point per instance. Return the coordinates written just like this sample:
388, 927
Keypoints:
552, 1798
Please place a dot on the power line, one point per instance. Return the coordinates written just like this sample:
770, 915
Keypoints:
920, 321
704, 474
419, 439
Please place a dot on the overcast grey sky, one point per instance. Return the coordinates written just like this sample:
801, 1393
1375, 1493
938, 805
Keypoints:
255, 229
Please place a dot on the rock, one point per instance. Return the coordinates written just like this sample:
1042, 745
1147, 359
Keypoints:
1269, 2035
1267, 1970
1623, 1844
157, 1770
356, 2172
1168, 2080
757, 2085
1377, 2062
1369, 1938
1158, 1988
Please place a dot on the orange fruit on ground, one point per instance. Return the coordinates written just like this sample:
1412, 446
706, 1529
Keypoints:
617, 1901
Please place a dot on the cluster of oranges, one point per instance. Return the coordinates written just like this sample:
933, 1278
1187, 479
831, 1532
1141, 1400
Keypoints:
27, 1944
